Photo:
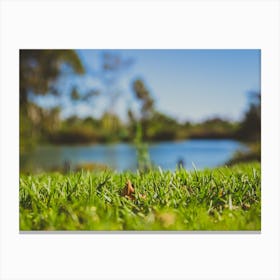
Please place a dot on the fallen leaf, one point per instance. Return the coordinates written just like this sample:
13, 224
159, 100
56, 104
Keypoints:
128, 190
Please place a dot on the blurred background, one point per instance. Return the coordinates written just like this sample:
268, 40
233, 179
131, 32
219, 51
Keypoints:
138, 109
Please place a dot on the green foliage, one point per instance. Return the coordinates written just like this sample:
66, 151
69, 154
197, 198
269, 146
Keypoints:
27, 139
46, 125
162, 127
250, 127
73, 135
40, 68
36, 125
75, 130
219, 199
143, 95
213, 128
250, 131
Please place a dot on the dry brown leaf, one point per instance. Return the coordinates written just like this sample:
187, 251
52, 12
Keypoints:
128, 190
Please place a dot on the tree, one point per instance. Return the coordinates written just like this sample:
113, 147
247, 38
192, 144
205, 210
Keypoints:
250, 127
161, 127
147, 108
39, 70
143, 95
146, 104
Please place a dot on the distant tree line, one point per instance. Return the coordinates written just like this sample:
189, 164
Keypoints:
51, 128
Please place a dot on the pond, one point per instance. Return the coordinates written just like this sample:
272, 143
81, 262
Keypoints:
122, 156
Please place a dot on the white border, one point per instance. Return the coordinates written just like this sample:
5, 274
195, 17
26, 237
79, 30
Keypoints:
153, 24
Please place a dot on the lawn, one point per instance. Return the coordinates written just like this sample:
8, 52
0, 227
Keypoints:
225, 198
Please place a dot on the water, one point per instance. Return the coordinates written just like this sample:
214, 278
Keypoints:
122, 156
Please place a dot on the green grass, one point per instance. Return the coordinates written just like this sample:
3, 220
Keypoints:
220, 199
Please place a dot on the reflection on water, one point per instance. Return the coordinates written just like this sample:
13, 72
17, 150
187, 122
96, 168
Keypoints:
122, 156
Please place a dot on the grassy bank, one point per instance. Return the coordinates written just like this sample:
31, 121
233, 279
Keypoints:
219, 199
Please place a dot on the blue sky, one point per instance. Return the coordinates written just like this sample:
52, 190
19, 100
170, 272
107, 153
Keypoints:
186, 84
